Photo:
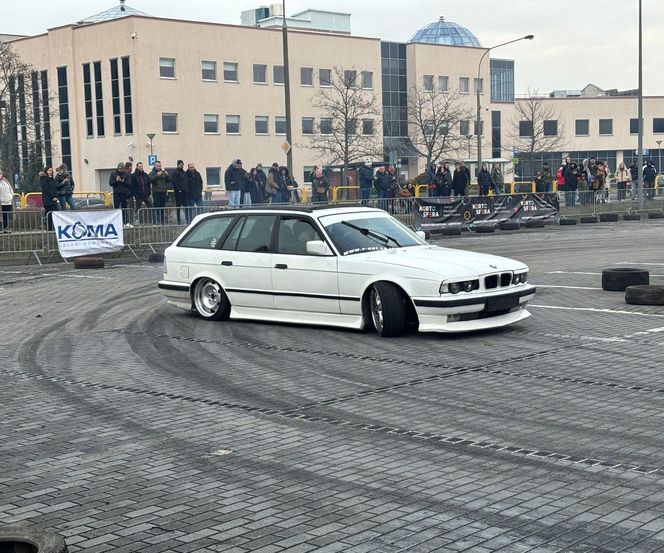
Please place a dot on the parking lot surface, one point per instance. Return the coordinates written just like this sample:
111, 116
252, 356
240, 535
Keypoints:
130, 426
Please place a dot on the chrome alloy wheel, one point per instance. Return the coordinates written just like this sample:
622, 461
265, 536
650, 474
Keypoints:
208, 297
376, 310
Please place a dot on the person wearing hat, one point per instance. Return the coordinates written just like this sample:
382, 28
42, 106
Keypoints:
180, 191
119, 182
365, 176
233, 180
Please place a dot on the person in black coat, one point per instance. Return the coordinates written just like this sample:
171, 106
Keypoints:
141, 188
459, 180
261, 181
49, 195
484, 180
180, 190
233, 178
365, 175
195, 184
119, 182
382, 182
571, 184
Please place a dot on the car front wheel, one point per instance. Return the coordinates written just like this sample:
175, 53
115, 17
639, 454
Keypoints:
388, 312
210, 300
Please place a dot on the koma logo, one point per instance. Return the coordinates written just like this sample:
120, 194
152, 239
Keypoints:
79, 231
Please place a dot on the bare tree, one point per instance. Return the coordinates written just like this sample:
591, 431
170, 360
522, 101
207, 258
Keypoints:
349, 115
434, 118
537, 129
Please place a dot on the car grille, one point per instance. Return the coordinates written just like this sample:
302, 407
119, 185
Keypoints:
499, 280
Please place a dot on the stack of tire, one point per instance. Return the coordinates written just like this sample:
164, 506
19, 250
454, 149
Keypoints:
636, 285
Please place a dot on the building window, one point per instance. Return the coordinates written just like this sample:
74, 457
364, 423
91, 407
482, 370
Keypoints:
99, 99
260, 73
326, 125
209, 70
582, 127
427, 82
307, 125
525, 128
261, 124
167, 68
658, 125
367, 80
278, 74
367, 126
279, 125
232, 124
169, 122
47, 118
308, 173
210, 123
126, 89
325, 77
394, 69
351, 126
550, 127
496, 142
306, 76
633, 126
464, 85
606, 126
115, 97
464, 128
213, 176
443, 83
479, 85
350, 78
502, 80
230, 71
63, 106
87, 97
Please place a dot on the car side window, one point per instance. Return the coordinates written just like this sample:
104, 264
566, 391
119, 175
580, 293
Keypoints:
252, 233
206, 234
294, 234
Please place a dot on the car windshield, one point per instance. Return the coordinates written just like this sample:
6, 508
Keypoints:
357, 233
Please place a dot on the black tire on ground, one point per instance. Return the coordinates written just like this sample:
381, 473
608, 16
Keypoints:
88, 262
451, 231
535, 223
28, 539
210, 301
567, 222
588, 219
608, 217
509, 225
645, 295
618, 279
156, 258
631, 217
484, 229
387, 306
656, 215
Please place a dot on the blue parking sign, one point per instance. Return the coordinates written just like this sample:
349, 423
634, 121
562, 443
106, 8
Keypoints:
152, 160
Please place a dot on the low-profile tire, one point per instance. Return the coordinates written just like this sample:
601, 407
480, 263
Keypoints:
588, 219
656, 215
618, 279
631, 217
509, 225
156, 258
26, 539
652, 294
210, 301
535, 223
387, 306
454, 230
608, 217
88, 262
484, 229
568, 222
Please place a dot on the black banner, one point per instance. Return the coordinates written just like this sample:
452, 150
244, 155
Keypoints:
437, 213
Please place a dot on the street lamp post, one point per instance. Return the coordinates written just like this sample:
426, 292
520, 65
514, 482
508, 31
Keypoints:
287, 99
478, 123
659, 156
640, 153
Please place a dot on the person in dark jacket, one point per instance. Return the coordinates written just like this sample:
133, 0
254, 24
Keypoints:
459, 180
465, 169
365, 176
195, 187
382, 184
49, 195
571, 184
159, 179
484, 180
119, 182
539, 183
180, 191
250, 188
284, 194
649, 176
430, 176
64, 184
261, 181
233, 178
319, 187
497, 180
444, 180
141, 189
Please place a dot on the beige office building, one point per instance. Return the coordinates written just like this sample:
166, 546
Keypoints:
210, 93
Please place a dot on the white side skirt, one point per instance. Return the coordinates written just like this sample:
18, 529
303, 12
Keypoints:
297, 317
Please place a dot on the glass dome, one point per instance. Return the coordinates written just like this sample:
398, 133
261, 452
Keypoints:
445, 32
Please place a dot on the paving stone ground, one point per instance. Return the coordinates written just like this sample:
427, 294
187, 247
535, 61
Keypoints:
132, 427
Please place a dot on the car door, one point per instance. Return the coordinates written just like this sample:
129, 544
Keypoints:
245, 261
302, 282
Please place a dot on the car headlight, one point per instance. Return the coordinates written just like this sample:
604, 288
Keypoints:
462, 285
520, 278
454, 287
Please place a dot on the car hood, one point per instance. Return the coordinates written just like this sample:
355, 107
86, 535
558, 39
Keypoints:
445, 262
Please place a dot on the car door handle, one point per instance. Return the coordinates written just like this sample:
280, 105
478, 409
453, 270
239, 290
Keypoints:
281, 266
227, 263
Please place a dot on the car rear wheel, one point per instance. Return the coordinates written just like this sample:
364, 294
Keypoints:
210, 300
388, 311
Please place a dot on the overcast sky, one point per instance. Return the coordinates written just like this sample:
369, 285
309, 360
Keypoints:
576, 41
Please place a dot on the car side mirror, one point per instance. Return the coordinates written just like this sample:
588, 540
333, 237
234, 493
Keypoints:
423, 235
318, 247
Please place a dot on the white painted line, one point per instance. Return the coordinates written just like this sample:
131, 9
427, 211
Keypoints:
568, 287
569, 273
645, 332
638, 263
596, 310
589, 338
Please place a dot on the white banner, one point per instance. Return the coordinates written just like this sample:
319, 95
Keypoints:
88, 232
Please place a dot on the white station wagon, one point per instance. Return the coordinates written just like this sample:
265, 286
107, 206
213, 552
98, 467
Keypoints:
350, 267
